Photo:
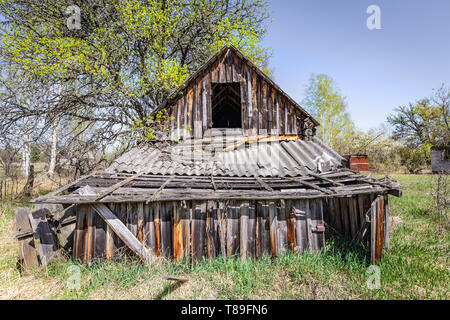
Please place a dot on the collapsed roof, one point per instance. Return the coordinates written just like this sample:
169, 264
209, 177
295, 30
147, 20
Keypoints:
231, 155
218, 168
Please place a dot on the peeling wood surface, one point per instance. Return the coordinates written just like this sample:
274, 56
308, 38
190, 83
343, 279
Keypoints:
209, 228
27, 249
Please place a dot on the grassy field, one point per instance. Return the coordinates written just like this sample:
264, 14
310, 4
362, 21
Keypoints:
415, 267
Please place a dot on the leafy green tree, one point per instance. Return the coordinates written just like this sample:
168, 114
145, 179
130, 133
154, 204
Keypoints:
420, 126
418, 123
324, 101
128, 55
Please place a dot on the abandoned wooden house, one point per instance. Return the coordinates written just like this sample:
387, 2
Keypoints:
250, 178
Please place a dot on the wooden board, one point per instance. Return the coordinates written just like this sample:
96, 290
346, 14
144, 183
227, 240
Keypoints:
27, 250
44, 238
119, 228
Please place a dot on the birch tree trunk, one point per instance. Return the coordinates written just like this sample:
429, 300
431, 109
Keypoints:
26, 150
52, 165
51, 168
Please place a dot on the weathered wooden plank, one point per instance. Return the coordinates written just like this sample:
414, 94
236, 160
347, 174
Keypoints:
204, 105
258, 229
243, 228
132, 218
154, 197
177, 234
265, 235
233, 230
186, 226
27, 250
117, 186
282, 226
250, 96
281, 114
251, 229
189, 114
222, 227
99, 237
44, 238
313, 210
109, 243
308, 226
119, 228
352, 217
326, 209
265, 108
140, 222
79, 243
344, 216
244, 100
270, 118
255, 114
166, 223
291, 225
380, 230
386, 222
275, 122
320, 226
273, 228
198, 229
301, 231
361, 211
210, 229
120, 210
373, 231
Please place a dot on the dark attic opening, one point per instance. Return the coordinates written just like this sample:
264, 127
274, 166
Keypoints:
226, 105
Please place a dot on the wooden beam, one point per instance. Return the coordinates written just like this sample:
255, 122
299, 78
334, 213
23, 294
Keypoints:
27, 251
158, 192
311, 185
263, 184
392, 190
326, 179
373, 229
118, 227
117, 186
43, 236
213, 183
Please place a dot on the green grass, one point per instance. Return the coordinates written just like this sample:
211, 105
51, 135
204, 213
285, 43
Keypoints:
415, 267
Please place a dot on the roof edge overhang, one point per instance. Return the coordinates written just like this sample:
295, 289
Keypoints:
121, 187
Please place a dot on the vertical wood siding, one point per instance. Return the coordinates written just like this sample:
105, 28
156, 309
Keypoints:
197, 229
264, 109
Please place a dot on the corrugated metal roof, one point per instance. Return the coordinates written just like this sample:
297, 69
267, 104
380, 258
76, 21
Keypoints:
236, 156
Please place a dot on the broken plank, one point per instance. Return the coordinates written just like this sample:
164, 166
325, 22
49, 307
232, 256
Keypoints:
311, 185
44, 238
117, 186
118, 227
28, 256
158, 192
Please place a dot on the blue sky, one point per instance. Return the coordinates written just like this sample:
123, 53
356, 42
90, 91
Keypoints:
376, 70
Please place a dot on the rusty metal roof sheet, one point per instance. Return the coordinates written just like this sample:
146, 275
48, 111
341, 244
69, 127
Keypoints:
236, 156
